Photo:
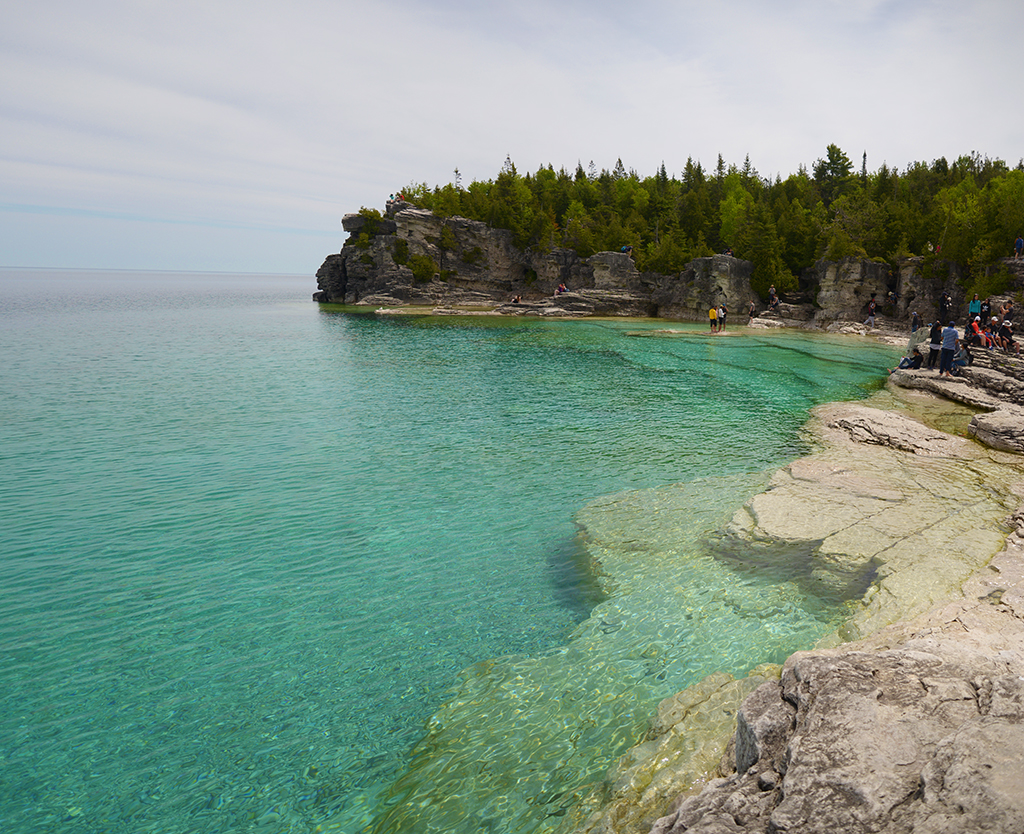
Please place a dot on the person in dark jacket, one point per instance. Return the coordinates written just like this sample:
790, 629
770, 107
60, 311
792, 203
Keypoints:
935, 340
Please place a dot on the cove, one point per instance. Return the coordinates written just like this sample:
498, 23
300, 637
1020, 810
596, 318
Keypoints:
263, 561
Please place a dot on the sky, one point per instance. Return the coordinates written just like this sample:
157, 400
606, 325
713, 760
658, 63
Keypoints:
233, 136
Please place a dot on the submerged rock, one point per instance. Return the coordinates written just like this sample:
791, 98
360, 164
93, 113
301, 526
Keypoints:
916, 726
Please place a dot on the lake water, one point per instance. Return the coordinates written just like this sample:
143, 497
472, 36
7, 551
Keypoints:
249, 546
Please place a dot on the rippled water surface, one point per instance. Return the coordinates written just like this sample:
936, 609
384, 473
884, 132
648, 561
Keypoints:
248, 545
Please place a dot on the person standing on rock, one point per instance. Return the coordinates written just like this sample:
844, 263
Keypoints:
974, 308
713, 318
945, 302
870, 320
935, 339
722, 313
1018, 248
751, 312
950, 339
915, 322
986, 310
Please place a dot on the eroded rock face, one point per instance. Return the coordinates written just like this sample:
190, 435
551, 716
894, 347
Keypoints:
474, 264
845, 288
922, 738
918, 727
1002, 429
466, 263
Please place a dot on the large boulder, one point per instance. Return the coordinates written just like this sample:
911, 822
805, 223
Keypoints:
917, 727
924, 738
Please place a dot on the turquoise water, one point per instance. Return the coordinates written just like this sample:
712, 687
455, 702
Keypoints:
248, 544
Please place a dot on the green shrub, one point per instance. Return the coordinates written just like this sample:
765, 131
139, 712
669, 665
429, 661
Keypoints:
448, 241
993, 281
401, 253
423, 268
371, 228
473, 256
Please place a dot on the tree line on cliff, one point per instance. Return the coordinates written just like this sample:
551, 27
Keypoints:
969, 211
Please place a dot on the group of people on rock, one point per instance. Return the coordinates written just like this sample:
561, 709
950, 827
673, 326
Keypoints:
716, 318
992, 334
946, 349
950, 352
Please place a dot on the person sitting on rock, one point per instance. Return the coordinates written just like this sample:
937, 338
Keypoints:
1006, 340
561, 289
961, 359
990, 335
912, 362
975, 335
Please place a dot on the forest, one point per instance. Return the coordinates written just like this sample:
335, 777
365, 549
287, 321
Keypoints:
969, 211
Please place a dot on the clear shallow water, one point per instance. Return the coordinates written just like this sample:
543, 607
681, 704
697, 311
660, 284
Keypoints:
247, 545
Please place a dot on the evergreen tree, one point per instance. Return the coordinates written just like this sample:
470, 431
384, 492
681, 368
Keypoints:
832, 174
972, 209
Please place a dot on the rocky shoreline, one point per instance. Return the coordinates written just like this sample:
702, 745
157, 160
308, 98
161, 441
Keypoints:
411, 260
911, 717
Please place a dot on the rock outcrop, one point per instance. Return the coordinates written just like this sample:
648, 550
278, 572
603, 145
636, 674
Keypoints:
916, 724
918, 728
910, 716
411, 257
414, 257
844, 288
994, 384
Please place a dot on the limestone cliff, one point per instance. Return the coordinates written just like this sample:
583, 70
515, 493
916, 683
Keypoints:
414, 258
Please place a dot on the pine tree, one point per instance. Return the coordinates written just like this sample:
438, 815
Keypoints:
832, 174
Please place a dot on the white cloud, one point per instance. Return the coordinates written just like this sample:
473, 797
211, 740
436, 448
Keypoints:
278, 118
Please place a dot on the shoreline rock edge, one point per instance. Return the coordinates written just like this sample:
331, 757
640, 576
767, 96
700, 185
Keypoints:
915, 724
